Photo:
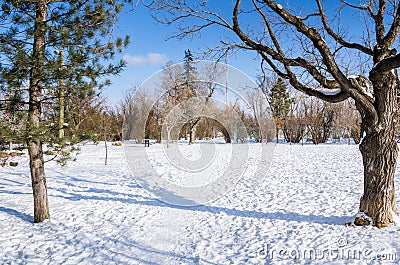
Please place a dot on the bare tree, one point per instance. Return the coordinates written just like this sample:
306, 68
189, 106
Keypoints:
259, 108
319, 117
294, 129
310, 47
175, 91
136, 106
198, 81
347, 120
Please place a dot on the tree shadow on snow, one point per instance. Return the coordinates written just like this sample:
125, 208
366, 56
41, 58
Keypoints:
152, 256
23, 216
109, 195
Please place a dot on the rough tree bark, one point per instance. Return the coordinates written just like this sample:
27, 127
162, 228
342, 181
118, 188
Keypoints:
226, 135
192, 135
192, 130
41, 205
379, 151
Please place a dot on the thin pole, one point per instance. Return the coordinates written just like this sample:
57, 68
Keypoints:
61, 102
226, 81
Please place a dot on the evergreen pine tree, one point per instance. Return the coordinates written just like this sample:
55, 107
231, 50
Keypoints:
190, 90
279, 101
12, 118
32, 31
189, 75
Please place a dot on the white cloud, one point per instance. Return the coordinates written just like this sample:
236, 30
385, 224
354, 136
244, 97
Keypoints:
151, 58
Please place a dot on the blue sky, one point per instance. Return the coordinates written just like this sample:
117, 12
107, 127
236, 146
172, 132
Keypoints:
150, 50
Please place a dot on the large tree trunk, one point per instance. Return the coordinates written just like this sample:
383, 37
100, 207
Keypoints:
379, 151
192, 130
41, 206
379, 154
226, 134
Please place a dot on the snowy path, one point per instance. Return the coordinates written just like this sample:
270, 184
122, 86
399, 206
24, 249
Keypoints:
99, 215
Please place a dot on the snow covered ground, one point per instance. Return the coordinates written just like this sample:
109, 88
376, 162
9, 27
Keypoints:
100, 215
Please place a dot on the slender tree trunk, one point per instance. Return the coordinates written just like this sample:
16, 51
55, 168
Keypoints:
379, 151
186, 132
106, 147
192, 134
168, 136
348, 136
104, 129
41, 206
276, 135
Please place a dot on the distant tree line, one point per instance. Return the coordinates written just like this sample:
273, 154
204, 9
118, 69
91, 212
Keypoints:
175, 114
299, 117
87, 117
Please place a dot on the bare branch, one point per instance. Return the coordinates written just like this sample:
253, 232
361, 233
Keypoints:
355, 6
379, 22
337, 37
276, 55
327, 58
367, 8
388, 64
390, 37
186, 11
337, 96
